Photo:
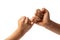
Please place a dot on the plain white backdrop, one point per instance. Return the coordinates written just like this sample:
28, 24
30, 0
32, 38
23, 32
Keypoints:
12, 10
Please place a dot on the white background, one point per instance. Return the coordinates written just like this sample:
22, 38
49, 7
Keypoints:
12, 10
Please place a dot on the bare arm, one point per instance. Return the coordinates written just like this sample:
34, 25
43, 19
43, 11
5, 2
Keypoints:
42, 18
55, 27
15, 36
24, 24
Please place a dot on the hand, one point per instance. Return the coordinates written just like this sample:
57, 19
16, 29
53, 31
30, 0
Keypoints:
41, 17
24, 23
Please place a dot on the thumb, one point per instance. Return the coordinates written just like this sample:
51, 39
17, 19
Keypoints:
46, 15
22, 19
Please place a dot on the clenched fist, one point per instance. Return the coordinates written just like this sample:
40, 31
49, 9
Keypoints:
41, 17
24, 23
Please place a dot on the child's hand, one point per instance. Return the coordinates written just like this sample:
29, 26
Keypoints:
24, 23
41, 17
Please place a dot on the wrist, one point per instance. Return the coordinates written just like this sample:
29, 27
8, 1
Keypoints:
21, 29
48, 23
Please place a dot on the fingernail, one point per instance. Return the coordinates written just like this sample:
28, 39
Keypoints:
32, 23
23, 18
38, 10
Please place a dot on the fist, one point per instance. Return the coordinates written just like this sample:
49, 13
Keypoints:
24, 23
41, 17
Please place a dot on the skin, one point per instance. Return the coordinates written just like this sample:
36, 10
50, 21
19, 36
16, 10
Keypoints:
24, 24
45, 20
41, 18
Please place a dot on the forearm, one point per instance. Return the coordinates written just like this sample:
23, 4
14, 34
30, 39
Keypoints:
16, 35
53, 27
